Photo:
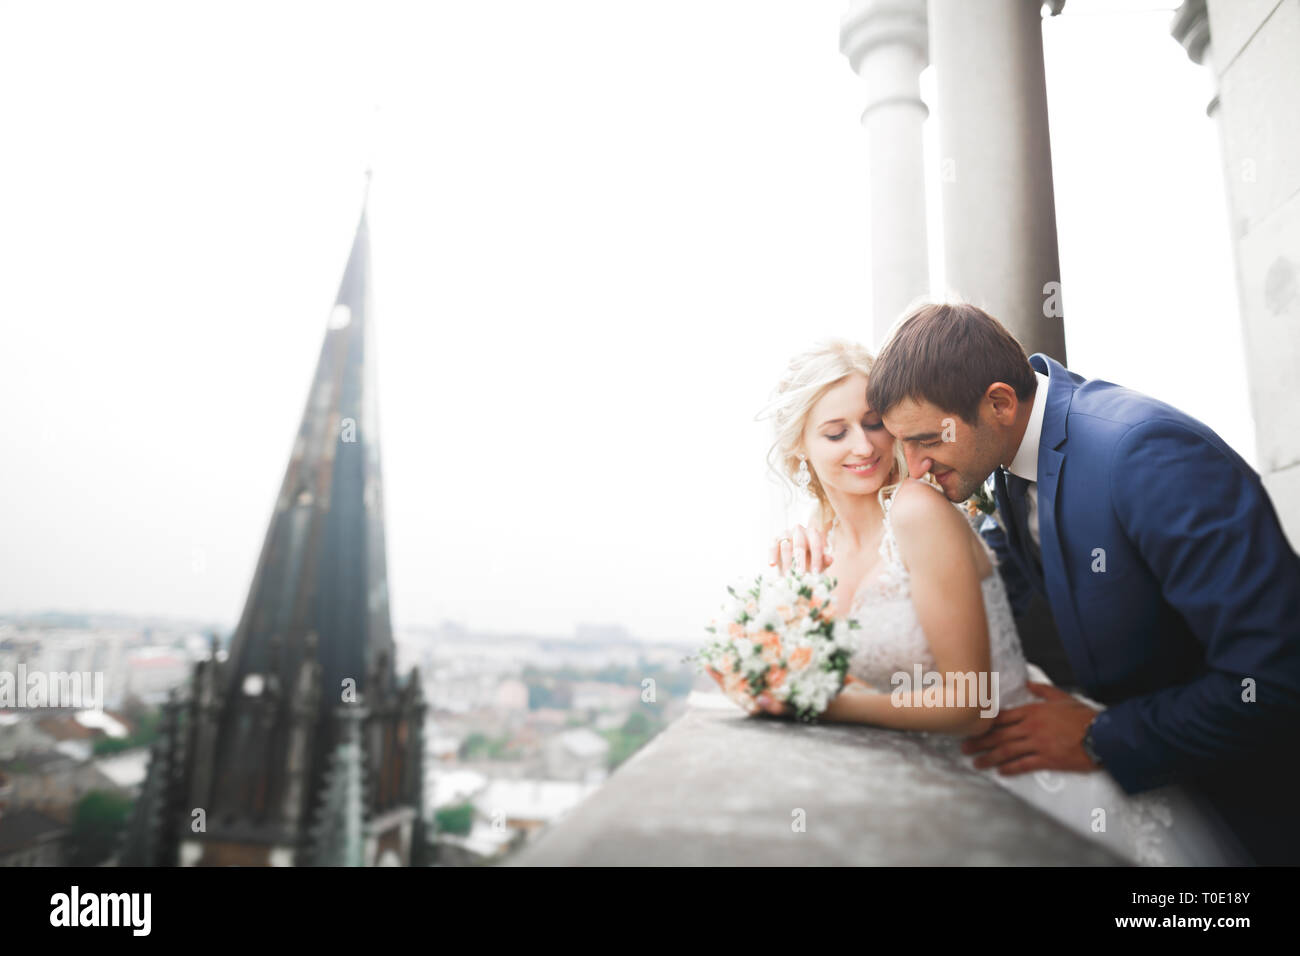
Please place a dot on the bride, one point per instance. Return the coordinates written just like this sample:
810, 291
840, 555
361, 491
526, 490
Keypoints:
927, 595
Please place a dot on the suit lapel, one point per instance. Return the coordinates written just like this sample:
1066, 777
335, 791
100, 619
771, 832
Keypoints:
1051, 462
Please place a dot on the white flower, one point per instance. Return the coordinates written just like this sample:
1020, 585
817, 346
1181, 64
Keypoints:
775, 596
841, 632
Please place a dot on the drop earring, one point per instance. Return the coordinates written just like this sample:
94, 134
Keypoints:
802, 478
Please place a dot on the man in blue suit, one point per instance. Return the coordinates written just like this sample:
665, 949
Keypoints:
1174, 591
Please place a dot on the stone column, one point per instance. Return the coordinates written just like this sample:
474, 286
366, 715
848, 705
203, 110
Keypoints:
995, 165
885, 42
1254, 52
1191, 28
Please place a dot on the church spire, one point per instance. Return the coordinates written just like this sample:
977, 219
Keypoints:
272, 744
323, 567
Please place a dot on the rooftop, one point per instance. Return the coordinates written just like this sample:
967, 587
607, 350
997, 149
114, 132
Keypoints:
26, 827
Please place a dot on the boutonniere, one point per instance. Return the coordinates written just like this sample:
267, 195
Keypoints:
982, 502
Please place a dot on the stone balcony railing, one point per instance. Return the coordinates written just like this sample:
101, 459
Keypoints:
720, 788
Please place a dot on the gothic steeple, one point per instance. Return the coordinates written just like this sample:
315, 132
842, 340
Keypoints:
277, 760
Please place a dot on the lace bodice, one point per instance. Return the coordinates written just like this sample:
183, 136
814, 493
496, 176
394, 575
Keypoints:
890, 638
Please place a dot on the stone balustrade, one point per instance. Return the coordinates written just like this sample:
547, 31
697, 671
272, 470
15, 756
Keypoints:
720, 788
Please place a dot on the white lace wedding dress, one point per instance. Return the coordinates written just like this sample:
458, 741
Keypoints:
1166, 826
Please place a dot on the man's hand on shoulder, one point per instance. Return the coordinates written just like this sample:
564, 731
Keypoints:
800, 548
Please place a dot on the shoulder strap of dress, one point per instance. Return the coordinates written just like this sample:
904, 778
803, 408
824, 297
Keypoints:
888, 546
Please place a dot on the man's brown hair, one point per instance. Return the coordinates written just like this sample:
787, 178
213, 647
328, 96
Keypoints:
948, 355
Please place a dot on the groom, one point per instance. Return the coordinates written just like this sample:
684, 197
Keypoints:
1172, 586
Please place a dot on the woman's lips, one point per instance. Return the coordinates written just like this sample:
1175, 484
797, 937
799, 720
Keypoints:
861, 470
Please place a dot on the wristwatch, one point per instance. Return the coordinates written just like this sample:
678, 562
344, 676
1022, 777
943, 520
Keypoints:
1088, 746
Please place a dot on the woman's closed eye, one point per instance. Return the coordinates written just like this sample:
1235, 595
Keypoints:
871, 428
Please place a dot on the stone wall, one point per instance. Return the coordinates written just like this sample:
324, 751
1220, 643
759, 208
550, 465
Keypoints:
720, 788
1255, 54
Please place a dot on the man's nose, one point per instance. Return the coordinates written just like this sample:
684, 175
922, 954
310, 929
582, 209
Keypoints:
917, 463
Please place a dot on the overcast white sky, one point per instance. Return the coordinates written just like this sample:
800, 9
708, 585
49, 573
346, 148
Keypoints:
599, 229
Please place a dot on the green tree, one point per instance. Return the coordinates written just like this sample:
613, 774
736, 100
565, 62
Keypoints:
458, 819
473, 745
146, 730
97, 825
637, 729
638, 725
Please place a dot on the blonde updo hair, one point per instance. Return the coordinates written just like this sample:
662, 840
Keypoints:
809, 376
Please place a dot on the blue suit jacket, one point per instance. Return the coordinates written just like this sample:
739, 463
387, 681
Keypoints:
1175, 594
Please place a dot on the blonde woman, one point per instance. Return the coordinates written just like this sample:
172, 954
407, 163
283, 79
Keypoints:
926, 592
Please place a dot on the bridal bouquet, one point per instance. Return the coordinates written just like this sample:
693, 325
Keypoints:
778, 636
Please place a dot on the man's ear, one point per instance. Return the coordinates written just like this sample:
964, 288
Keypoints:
1002, 398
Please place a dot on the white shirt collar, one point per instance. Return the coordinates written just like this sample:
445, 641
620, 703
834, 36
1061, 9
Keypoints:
1025, 464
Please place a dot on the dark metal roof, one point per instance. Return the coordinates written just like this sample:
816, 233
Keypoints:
26, 827
322, 568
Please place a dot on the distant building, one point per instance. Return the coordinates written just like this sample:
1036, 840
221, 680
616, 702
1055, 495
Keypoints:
151, 672
602, 634
302, 747
549, 717
50, 778
19, 734
529, 804
125, 772
75, 733
579, 754
511, 695
452, 787
30, 837
600, 695
443, 748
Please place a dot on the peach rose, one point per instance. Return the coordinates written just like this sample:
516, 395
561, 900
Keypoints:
800, 658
